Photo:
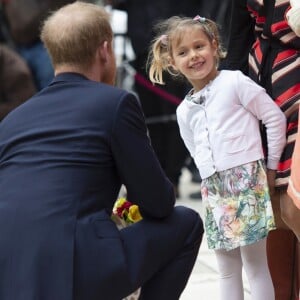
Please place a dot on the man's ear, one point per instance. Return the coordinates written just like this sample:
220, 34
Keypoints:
103, 51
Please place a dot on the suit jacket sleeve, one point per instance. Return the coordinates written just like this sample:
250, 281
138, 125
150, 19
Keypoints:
138, 166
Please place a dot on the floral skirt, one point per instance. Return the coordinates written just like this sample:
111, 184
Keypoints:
238, 208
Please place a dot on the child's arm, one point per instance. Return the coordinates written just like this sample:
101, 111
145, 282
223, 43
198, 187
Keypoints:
185, 133
256, 100
260, 104
274, 119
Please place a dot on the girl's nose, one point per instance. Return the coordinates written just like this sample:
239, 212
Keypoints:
193, 54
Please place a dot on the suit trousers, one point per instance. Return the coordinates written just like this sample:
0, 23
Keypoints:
161, 254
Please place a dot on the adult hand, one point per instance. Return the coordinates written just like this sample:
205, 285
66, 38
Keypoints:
293, 16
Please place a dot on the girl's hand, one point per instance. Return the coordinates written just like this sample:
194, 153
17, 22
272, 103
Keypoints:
271, 174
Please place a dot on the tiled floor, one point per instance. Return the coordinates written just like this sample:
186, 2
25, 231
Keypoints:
203, 283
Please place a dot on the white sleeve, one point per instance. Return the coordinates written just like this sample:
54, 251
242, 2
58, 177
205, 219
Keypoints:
256, 100
266, 110
185, 132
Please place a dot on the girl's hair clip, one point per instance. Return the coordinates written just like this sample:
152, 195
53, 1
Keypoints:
164, 40
200, 19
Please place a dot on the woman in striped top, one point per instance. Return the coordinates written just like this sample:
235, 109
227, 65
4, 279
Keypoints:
274, 63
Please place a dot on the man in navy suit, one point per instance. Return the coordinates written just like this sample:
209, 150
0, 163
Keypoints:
64, 155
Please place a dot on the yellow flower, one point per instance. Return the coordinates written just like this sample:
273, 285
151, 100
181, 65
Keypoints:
134, 214
119, 202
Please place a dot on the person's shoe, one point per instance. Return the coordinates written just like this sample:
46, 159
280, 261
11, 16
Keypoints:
196, 196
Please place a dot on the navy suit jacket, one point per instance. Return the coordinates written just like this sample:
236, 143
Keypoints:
63, 157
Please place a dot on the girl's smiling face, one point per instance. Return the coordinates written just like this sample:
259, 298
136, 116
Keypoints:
194, 56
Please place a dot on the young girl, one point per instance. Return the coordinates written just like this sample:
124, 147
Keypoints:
219, 123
